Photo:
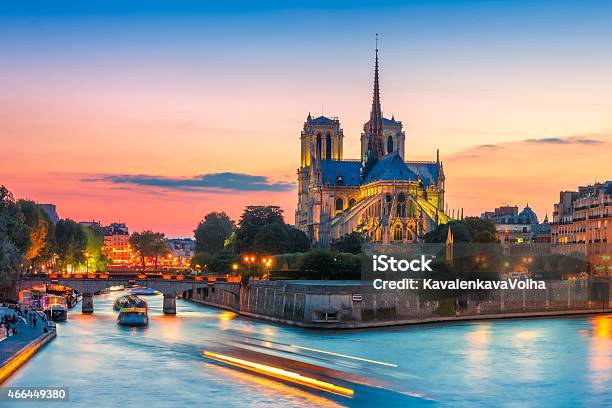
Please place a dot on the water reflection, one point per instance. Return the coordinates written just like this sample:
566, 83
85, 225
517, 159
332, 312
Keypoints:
478, 353
601, 353
551, 362
272, 388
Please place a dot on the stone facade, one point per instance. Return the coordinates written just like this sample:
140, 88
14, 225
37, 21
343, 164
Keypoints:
382, 196
352, 304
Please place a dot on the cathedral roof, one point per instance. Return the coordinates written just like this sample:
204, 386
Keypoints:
340, 173
429, 172
386, 122
323, 120
390, 167
392, 121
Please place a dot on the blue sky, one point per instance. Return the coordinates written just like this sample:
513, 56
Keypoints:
185, 90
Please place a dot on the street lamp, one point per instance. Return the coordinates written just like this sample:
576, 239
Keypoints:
527, 260
479, 261
267, 262
249, 259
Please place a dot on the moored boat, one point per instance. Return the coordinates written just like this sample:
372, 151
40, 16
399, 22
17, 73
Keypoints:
72, 297
54, 307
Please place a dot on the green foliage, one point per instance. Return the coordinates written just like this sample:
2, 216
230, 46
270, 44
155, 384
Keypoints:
322, 264
12, 222
271, 239
298, 240
96, 260
253, 219
289, 261
149, 244
263, 230
212, 232
470, 229
461, 233
71, 242
222, 261
201, 261
37, 224
14, 236
349, 243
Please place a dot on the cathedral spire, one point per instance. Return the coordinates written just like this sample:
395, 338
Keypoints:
376, 134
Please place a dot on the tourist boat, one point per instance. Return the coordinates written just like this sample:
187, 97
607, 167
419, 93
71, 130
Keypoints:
116, 288
55, 307
132, 311
144, 291
72, 297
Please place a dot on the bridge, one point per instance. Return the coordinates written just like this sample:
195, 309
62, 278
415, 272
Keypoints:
170, 285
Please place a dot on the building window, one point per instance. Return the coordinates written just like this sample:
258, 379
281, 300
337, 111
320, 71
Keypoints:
397, 234
389, 144
318, 151
352, 202
339, 204
328, 147
401, 205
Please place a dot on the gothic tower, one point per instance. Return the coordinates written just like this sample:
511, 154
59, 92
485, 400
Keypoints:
373, 136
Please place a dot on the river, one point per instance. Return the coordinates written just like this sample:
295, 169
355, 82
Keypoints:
523, 363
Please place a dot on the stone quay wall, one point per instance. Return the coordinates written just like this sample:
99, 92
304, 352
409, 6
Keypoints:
350, 304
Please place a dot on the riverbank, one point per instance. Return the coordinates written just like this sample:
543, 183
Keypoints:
354, 305
17, 349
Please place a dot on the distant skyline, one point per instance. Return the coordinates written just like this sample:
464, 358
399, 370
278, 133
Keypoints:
156, 113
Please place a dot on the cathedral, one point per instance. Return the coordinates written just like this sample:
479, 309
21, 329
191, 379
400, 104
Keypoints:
381, 195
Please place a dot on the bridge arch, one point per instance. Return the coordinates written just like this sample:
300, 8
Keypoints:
88, 287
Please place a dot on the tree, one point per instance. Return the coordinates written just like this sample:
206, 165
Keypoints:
13, 222
70, 243
95, 258
212, 232
317, 264
149, 244
349, 243
322, 264
253, 219
298, 240
271, 239
14, 236
201, 261
470, 229
460, 233
38, 227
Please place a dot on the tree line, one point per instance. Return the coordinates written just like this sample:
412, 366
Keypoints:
29, 239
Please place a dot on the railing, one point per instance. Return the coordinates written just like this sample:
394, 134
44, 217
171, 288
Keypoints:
130, 276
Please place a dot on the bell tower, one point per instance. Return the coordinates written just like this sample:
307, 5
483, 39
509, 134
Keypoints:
326, 135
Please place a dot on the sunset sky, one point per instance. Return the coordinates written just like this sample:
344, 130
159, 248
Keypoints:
155, 113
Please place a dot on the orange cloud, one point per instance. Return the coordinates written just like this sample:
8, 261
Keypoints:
533, 170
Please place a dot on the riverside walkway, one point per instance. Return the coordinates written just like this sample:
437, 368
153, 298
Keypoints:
20, 347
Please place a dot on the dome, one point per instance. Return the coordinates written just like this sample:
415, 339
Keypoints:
529, 214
